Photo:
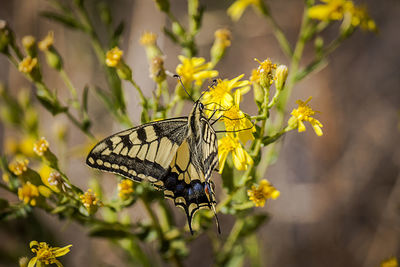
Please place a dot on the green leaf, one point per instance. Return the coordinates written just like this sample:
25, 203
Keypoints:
227, 177
271, 139
117, 34
59, 209
171, 35
68, 21
252, 223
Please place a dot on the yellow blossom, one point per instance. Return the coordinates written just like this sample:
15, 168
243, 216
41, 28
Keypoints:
259, 194
219, 96
27, 64
47, 41
51, 178
392, 262
235, 120
45, 254
338, 9
113, 57
195, 69
236, 10
41, 146
90, 200
125, 189
18, 166
28, 193
26, 146
304, 113
240, 156
6, 178
148, 38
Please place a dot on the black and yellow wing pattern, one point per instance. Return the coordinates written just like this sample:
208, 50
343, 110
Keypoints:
176, 155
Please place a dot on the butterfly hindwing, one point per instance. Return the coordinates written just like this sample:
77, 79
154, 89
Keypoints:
141, 153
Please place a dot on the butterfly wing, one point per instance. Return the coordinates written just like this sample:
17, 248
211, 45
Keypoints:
141, 153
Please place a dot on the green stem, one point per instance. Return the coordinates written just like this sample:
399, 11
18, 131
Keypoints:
79, 125
279, 35
72, 90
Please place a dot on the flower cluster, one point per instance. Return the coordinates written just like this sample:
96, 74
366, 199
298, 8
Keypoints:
28, 193
18, 166
125, 189
113, 57
90, 201
41, 146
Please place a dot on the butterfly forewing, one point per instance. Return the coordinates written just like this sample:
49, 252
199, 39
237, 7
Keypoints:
141, 153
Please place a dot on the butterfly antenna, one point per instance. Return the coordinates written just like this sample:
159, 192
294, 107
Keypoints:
180, 80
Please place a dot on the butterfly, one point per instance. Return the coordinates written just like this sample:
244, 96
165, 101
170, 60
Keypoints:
176, 155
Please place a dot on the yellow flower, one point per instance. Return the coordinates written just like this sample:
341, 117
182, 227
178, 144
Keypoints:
195, 69
360, 17
220, 95
304, 113
18, 166
338, 9
90, 200
113, 57
28, 193
27, 64
236, 10
148, 38
26, 146
125, 189
41, 146
51, 178
240, 156
235, 120
259, 194
46, 254
47, 41
392, 262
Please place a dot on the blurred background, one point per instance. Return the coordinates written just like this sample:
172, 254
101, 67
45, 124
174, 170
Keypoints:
340, 193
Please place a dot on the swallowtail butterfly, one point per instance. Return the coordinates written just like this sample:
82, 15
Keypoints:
176, 155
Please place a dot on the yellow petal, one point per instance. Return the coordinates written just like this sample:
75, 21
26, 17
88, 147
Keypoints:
32, 262
44, 191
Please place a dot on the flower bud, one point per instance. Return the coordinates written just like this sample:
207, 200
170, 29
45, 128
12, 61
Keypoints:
54, 59
177, 29
157, 71
222, 41
5, 37
28, 42
280, 76
163, 5
124, 71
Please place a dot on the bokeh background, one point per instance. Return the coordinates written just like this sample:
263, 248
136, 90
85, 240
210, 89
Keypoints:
340, 193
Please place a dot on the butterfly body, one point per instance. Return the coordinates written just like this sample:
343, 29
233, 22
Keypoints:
176, 155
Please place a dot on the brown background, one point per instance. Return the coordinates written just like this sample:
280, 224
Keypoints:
340, 193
